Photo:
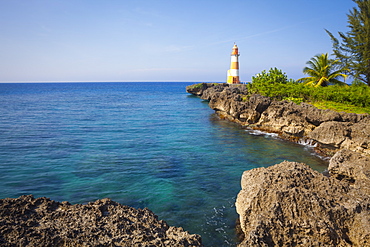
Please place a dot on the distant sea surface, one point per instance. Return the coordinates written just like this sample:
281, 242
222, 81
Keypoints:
141, 144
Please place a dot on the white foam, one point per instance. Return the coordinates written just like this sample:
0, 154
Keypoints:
307, 142
309, 145
262, 133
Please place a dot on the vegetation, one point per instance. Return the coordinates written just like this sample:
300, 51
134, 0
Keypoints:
340, 107
274, 76
323, 71
324, 74
356, 97
199, 85
354, 49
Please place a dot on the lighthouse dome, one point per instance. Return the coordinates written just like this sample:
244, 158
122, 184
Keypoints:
235, 50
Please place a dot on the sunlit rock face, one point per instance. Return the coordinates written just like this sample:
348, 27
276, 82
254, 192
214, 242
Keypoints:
289, 204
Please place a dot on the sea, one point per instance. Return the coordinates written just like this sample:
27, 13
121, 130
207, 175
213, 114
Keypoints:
142, 144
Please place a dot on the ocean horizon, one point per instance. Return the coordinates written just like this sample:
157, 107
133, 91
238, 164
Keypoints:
142, 144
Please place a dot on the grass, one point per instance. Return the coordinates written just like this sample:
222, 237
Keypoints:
199, 85
340, 107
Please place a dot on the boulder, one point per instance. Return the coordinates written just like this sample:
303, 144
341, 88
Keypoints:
289, 204
29, 221
331, 133
286, 117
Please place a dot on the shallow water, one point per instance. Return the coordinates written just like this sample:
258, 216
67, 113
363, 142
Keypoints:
141, 144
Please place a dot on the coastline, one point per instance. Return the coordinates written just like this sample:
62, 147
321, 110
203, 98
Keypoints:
327, 130
289, 204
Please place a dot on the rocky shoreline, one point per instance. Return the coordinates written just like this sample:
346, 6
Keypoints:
29, 221
289, 204
332, 131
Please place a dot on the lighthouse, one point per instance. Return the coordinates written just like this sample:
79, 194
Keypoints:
233, 72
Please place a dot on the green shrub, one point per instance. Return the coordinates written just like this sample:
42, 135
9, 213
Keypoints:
272, 77
275, 84
199, 85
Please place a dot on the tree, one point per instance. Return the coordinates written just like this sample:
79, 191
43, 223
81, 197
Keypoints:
354, 49
323, 71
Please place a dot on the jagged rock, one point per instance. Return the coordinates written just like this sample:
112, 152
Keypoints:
331, 133
250, 116
351, 167
289, 204
316, 116
283, 116
259, 103
359, 138
344, 135
211, 91
198, 89
29, 221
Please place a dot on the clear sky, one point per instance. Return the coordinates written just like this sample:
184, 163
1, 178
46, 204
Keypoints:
162, 40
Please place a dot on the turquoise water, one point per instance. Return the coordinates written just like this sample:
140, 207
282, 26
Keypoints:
141, 144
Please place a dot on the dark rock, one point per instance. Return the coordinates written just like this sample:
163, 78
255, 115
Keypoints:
259, 103
211, 91
29, 221
200, 88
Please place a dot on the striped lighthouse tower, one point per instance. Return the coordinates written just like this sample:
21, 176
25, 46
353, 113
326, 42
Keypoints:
233, 72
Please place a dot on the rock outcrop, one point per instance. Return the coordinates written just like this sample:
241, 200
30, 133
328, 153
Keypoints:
353, 168
29, 221
332, 131
289, 204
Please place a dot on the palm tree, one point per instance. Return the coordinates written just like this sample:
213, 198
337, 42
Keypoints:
323, 71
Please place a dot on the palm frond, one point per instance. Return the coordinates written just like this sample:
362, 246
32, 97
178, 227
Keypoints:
322, 71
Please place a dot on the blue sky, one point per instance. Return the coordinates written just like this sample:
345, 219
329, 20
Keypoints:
162, 40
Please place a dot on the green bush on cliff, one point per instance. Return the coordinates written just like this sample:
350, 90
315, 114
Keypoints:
274, 84
273, 76
357, 95
199, 85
